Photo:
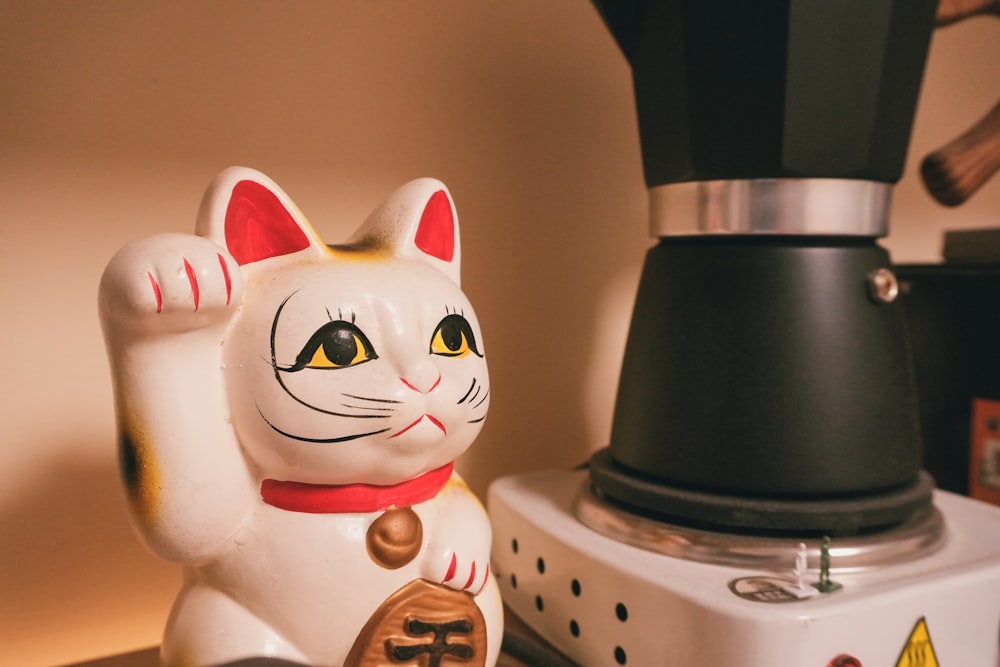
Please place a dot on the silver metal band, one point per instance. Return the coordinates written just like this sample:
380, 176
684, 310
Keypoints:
797, 206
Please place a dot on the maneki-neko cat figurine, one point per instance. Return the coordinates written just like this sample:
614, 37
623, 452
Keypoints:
289, 415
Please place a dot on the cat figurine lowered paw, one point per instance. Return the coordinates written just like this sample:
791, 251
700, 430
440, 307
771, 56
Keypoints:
289, 414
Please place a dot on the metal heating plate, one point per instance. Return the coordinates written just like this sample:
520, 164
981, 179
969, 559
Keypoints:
922, 534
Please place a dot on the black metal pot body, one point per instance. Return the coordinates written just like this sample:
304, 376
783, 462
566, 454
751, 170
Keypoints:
764, 367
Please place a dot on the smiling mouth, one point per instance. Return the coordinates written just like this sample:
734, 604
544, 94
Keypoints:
422, 418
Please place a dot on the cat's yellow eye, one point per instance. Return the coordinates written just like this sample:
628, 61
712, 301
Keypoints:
453, 337
339, 354
336, 344
449, 348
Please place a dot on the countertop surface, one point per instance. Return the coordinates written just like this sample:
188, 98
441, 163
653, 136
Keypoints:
522, 648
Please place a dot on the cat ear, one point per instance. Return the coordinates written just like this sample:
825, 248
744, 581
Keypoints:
417, 221
247, 213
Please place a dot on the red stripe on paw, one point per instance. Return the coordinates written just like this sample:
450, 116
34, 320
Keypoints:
486, 579
472, 577
451, 570
193, 279
229, 279
156, 292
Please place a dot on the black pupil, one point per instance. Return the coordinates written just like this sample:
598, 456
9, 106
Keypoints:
340, 347
451, 334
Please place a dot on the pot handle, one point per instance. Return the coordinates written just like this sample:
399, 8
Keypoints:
954, 172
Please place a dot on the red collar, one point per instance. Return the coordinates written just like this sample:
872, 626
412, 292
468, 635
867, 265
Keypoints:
346, 498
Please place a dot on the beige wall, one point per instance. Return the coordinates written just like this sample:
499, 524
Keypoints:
115, 115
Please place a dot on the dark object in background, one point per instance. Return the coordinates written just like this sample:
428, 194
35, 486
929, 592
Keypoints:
953, 315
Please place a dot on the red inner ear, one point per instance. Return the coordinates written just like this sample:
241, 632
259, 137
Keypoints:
436, 231
258, 226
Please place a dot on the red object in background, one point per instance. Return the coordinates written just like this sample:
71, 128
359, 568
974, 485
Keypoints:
984, 451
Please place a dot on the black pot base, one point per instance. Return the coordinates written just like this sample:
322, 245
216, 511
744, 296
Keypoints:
832, 516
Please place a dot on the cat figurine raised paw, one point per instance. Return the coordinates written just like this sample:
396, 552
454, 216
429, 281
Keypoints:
289, 415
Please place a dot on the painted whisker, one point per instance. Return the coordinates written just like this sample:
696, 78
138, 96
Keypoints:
365, 407
483, 399
367, 398
471, 387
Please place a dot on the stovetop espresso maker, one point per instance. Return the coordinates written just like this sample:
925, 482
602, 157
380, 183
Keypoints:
767, 382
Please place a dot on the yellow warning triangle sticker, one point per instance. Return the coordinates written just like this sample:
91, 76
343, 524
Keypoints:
918, 651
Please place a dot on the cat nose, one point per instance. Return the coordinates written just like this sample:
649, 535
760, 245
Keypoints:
423, 379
